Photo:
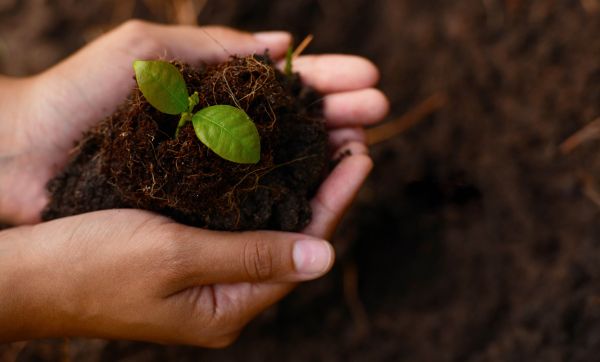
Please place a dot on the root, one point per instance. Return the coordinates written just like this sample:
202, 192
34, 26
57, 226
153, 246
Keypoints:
252, 66
229, 90
258, 174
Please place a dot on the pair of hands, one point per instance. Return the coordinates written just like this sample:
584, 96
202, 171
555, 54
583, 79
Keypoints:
131, 274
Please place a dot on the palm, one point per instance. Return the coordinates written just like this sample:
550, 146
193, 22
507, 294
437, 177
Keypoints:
62, 113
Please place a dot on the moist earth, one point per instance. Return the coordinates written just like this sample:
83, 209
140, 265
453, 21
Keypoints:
132, 160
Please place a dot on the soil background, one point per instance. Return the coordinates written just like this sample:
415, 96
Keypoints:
475, 238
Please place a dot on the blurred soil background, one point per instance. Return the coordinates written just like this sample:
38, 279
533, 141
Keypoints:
477, 237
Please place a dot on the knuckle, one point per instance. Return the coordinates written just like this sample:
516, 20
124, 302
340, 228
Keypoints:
258, 260
167, 252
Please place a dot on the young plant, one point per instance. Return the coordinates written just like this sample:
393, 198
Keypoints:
226, 130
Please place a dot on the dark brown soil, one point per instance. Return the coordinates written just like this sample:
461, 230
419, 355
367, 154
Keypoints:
132, 159
475, 238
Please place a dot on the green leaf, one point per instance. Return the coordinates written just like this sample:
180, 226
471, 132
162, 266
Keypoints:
162, 84
229, 132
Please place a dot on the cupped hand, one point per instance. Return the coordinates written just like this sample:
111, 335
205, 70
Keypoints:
131, 274
135, 275
44, 115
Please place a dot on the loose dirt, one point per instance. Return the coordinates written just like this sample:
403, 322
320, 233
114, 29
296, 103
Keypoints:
132, 160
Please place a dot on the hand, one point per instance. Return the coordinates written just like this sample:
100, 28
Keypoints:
131, 274
134, 275
44, 115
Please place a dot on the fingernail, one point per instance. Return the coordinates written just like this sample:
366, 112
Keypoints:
312, 257
273, 38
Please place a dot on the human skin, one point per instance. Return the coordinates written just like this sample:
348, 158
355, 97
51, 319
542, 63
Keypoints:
131, 274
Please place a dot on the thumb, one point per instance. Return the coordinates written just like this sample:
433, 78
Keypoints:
257, 256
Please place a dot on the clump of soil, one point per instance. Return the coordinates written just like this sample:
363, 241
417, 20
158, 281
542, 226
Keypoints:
132, 159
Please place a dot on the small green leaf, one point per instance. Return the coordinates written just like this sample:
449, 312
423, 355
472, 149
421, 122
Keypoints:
162, 84
229, 132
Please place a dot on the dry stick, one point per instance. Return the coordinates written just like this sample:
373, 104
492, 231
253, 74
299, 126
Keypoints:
303, 45
587, 133
393, 128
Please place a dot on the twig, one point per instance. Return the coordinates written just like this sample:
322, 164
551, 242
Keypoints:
303, 45
410, 119
587, 133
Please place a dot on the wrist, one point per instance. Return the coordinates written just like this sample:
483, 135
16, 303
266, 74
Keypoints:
21, 197
23, 311
14, 104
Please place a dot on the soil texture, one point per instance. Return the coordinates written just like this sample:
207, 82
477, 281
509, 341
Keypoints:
132, 159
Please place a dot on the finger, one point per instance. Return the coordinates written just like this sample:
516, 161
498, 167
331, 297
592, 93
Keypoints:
355, 108
256, 256
342, 136
337, 192
335, 73
349, 149
216, 44
101, 74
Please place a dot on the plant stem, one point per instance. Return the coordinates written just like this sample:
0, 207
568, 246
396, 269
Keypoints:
193, 100
185, 117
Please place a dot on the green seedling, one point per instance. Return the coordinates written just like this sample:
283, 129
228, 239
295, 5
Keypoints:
228, 131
